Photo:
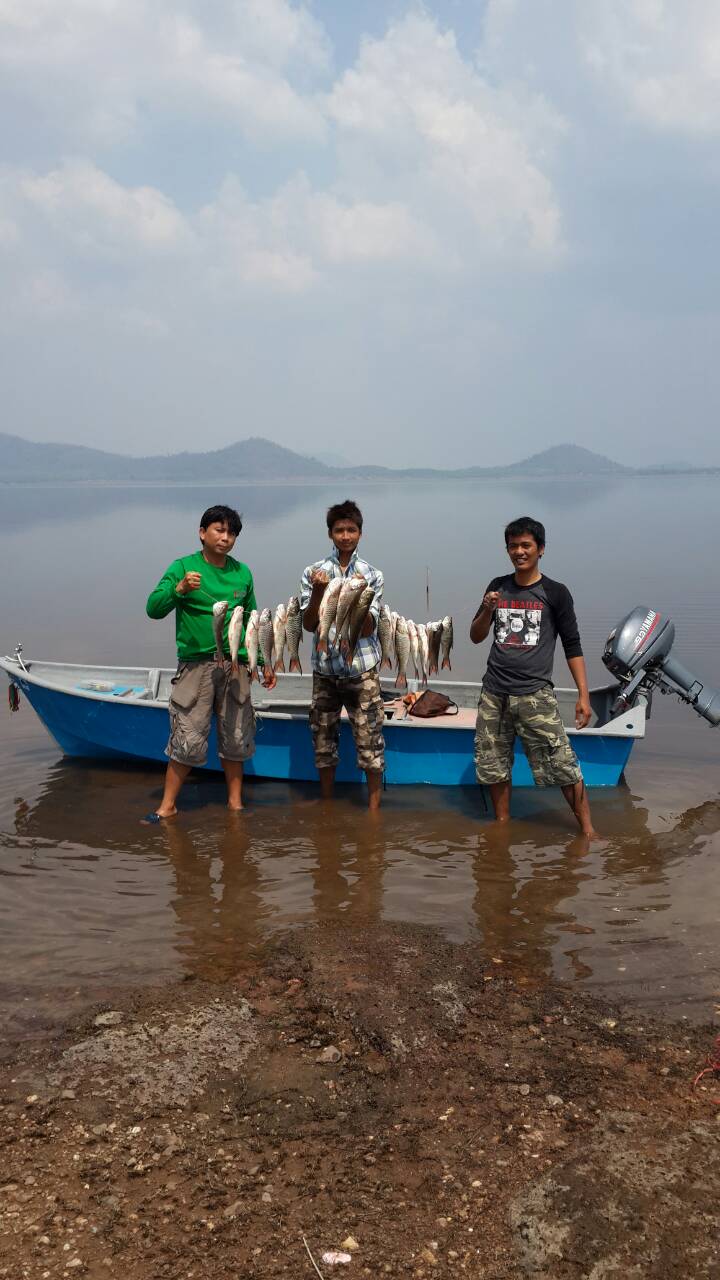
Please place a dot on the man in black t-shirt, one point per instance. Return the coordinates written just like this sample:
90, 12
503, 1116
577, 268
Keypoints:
528, 612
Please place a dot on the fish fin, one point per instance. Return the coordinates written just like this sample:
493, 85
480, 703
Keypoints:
295, 665
445, 663
280, 665
401, 682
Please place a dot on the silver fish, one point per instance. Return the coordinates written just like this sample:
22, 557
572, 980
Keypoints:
252, 642
385, 635
414, 646
434, 631
265, 635
424, 648
279, 626
402, 652
356, 621
446, 642
351, 589
219, 612
327, 612
293, 632
235, 627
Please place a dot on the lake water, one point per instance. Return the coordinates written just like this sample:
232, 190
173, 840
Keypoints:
91, 899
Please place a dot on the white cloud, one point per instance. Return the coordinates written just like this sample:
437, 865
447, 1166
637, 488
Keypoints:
415, 117
661, 56
99, 68
659, 59
100, 215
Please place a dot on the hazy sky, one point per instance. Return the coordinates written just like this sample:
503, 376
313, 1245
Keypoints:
445, 234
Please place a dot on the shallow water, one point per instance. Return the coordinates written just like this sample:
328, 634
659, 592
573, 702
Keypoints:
91, 900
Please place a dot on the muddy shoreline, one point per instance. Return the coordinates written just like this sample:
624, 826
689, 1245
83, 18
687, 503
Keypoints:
375, 1091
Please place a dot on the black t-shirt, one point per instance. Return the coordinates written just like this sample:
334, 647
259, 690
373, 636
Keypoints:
527, 622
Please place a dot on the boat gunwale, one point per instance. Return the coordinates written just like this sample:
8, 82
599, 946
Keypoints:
20, 671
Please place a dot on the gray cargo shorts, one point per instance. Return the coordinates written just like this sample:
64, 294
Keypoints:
535, 719
200, 689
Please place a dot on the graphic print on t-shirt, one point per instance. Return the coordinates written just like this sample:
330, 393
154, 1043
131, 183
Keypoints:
518, 622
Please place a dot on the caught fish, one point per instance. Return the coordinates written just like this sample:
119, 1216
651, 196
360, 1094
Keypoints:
279, 629
252, 642
219, 612
356, 622
235, 627
351, 589
327, 612
265, 636
434, 632
424, 648
385, 635
414, 646
402, 652
446, 642
293, 632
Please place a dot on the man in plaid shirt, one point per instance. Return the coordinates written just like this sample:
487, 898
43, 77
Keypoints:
337, 684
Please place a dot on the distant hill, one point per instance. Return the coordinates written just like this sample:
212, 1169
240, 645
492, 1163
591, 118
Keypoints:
26, 461
252, 459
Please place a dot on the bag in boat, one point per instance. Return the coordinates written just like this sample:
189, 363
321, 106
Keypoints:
431, 704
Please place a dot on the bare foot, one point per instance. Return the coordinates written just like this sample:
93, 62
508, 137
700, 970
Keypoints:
236, 808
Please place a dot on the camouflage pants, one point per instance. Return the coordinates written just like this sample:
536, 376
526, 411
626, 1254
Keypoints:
535, 719
199, 689
361, 697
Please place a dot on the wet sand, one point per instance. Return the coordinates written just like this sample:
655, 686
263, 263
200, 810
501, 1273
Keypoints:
414, 1102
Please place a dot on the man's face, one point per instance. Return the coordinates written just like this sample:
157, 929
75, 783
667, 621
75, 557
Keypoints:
345, 535
524, 551
218, 539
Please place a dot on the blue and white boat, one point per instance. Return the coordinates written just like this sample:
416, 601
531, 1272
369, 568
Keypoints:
114, 713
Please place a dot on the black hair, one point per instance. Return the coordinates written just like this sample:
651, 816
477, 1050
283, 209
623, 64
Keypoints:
347, 510
525, 524
222, 515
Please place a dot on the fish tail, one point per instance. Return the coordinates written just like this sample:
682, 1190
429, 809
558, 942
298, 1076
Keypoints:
445, 663
295, 665
234, 666
386, 664
322, 646
280, 665
401, 682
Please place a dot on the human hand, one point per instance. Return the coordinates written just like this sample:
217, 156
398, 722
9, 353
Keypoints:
583, 711
269, 679
490, 600
319, 580
191, 582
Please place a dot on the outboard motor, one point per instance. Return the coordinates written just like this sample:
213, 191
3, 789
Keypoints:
638, 653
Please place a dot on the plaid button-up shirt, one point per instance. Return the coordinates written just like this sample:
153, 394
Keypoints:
367, 654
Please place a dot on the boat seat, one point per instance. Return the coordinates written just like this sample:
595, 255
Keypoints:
153, 682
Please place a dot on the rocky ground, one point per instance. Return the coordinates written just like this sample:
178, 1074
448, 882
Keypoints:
378, 1094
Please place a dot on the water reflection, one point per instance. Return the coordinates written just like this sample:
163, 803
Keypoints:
90, 894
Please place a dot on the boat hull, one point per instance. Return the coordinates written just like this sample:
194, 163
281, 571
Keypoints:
433, 754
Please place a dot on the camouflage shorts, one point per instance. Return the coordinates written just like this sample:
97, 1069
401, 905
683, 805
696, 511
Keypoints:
535, 719
200, 689
361, 697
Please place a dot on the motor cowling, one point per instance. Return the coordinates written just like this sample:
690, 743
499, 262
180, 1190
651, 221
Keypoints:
642, 638
637, 652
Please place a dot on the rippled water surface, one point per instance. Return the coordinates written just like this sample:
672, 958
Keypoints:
90, 900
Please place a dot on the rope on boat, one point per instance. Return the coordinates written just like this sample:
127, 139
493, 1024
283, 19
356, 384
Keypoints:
13, 697
713, 1064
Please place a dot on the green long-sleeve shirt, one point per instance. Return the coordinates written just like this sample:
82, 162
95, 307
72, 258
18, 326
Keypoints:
194, 611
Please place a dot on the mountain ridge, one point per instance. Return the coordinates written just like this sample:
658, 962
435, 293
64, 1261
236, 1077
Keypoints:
256, 458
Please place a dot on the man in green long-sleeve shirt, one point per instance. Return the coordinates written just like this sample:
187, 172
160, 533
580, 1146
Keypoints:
201, 686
